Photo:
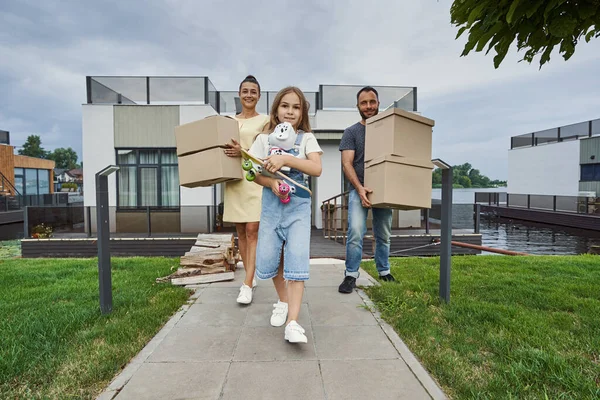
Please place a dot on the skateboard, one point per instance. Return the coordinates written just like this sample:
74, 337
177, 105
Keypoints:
288, 186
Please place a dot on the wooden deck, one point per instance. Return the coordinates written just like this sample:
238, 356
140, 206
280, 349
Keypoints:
130, 245
569, 219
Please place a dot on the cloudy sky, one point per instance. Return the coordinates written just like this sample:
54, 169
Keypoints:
49, 47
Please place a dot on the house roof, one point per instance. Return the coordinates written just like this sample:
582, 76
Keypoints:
75, 172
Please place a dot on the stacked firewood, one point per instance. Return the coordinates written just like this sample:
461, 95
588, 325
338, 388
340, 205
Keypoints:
212, 258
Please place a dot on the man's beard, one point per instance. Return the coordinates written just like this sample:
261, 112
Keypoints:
364, 117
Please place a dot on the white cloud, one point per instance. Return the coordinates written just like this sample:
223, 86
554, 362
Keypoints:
49, 47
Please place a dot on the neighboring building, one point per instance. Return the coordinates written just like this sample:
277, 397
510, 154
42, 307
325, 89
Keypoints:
563, 161
130, 121
22, 175
62, 175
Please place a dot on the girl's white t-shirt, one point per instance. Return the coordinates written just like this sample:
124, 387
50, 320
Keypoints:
309, 144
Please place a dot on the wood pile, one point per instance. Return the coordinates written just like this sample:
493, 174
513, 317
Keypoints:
212, 258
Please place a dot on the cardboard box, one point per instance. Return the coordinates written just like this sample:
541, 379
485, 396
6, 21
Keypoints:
398, 132
207, 133
207, 168
399, 182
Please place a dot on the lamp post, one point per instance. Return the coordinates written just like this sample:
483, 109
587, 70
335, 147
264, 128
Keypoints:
446, 229
103, 229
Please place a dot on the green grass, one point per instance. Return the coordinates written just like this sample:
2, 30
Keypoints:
54, 342
516, 327
10, 249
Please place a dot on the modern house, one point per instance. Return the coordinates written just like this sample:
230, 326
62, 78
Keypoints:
130, 121
562, 161
22, 175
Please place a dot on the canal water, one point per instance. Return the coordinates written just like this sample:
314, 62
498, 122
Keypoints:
507, 234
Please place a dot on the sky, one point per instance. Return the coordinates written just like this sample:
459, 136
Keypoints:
49, 47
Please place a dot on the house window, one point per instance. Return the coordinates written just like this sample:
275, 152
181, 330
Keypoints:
590, 172
31, 181
147, 178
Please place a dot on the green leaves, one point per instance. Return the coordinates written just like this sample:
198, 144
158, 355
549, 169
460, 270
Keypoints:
537, 25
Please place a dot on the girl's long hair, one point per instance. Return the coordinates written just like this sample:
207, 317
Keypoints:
304, 123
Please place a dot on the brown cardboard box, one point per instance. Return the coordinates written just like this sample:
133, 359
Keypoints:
208, 167
398, 132
399, 182
206, 133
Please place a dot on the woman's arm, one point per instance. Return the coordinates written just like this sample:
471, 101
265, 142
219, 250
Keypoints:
311, 166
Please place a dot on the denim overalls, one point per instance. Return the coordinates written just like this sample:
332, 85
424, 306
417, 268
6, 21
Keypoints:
286, 225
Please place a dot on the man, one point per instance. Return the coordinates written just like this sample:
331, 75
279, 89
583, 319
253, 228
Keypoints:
352, 147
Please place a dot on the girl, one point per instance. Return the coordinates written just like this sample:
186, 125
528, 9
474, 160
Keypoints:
242, 198
283, 250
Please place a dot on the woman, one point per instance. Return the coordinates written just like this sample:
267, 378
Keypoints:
242, 198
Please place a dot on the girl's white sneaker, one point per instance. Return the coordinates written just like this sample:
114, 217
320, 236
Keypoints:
294, 333
280, 312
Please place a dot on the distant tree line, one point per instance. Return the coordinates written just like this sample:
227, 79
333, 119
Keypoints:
465, 176
64, 158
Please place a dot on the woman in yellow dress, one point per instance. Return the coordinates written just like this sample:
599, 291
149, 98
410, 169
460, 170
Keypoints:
242, 201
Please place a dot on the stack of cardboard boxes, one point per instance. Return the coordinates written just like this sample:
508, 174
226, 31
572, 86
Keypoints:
200, 152
398, 160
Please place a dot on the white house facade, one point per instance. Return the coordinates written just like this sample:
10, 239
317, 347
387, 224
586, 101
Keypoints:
563, 161
130, 121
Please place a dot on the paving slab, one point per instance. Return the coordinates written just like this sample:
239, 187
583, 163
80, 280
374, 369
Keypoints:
214, 348
273, 381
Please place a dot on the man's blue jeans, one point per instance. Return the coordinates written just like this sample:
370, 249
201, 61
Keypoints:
357, 227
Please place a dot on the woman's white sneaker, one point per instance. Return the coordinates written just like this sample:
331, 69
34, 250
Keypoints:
280, 312
294, 333
245, 296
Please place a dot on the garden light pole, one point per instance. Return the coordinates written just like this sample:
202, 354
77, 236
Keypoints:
446, 233
103, 230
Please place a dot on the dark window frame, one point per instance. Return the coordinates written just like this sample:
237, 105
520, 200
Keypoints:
138, 184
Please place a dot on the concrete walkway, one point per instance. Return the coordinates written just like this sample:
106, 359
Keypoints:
216, 349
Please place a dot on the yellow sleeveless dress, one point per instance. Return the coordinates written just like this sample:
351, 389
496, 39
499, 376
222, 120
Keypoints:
242, 199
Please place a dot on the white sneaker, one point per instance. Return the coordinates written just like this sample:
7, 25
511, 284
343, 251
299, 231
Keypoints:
245, 296
253, 283
294, 333
280, 312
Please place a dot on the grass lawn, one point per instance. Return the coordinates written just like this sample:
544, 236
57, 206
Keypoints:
516, 327
10, 249
54, 342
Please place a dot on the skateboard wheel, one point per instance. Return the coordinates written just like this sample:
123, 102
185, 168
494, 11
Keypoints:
247, 165
284, 188
250, 176
285, 200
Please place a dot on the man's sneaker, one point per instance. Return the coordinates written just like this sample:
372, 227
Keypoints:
280, 312
387, 278
347, 285
294, 333
245, 296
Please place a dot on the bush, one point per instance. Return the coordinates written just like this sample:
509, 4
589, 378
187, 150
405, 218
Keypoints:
41, 231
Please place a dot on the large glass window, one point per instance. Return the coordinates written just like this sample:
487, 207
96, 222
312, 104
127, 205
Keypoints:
31, 181
590, 172
147, 177
43, 181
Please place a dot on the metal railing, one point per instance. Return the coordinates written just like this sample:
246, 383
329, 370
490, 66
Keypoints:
556, 135
77, 220
200, 90
555, 203
7, 186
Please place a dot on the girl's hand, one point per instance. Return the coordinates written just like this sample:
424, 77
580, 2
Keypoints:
274, 163
275, 188
233, 149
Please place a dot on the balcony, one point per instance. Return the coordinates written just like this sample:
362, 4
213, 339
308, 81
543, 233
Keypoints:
557, 135
200, 90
